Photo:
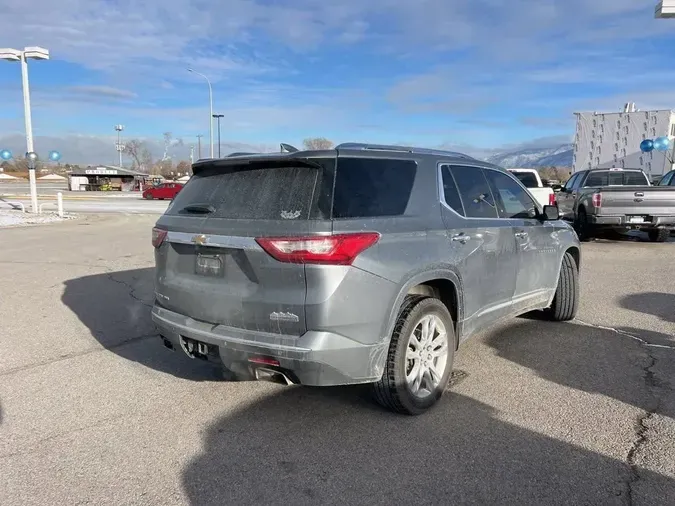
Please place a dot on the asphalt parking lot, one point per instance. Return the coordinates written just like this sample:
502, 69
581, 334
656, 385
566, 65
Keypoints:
94, 410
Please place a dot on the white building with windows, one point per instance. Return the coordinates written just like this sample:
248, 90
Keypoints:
612, 139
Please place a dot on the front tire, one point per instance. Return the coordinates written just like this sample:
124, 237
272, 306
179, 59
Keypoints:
659, 235
566, 300
420, 357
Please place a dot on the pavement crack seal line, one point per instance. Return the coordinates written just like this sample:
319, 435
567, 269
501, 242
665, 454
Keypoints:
627, 334
132, 289
642, 427
642, 423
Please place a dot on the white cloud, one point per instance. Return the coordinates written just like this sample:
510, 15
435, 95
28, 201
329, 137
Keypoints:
102, 91
122, 34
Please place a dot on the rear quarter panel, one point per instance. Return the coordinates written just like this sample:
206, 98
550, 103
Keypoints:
370, 294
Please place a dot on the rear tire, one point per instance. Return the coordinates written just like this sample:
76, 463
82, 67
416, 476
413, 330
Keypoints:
566, 300
582, 227
659, 235
148, 197
412, 348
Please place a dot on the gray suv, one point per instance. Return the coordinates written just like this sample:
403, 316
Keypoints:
359, 264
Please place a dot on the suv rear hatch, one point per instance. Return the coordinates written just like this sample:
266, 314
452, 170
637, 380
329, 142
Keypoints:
210, 260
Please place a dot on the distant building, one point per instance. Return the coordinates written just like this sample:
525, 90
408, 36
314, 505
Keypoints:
613, 139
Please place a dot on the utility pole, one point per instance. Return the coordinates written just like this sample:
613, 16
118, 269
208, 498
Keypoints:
199, 141
119, 146
218, 116
192, 154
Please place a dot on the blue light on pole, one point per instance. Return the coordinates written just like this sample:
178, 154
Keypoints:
6, 154
54, 156
647, 145
661, 144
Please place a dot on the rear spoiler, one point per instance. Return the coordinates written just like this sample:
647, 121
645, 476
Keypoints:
255, 161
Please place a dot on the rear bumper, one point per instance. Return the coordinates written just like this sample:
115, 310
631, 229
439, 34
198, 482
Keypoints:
623, 221
315, 358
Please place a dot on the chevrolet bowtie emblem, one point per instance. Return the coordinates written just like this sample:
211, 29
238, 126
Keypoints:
199, 239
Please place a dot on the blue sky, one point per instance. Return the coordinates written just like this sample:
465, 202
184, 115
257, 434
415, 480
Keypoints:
432, 72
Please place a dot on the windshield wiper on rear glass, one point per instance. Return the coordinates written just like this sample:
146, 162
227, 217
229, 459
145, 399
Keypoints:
199, 209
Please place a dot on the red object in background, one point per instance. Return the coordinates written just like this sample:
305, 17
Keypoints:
162, 191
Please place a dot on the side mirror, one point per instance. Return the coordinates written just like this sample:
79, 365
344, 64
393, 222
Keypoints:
551, 213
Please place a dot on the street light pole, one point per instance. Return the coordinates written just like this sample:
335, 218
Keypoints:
218, 116
22, 56
118, 146
210, 107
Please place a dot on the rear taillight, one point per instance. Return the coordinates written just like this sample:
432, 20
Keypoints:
339, 249
551, 199
597, 200
158, 236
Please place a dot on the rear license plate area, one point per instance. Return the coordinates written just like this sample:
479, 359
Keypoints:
637, 219
209, 265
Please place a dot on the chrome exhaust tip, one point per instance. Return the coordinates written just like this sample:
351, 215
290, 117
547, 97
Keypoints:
264, 374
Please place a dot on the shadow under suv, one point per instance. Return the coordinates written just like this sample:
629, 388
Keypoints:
359, 264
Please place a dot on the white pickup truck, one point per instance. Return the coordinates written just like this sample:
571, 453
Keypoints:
531, 180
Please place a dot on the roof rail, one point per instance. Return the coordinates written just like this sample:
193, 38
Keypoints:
241, 153
401, 149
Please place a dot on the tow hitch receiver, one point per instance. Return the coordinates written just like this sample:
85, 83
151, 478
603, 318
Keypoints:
197, 349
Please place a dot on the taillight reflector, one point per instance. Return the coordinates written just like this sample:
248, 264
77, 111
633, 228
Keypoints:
158, 236
597, 200
551, 199
264, 361
340, 249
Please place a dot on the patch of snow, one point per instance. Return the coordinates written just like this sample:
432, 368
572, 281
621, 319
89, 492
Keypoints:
16, 218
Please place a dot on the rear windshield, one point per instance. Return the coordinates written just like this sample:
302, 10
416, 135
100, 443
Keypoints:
528, 179
357, 188
616, 178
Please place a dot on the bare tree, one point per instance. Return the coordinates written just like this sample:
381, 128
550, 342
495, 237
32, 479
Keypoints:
317, 143
135, 149
183, 167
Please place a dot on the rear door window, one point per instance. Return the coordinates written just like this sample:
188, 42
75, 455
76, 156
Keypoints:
450, 191
260, 191
372, 187
475, 192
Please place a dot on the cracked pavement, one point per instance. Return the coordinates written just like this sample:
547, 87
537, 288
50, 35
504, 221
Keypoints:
93, 409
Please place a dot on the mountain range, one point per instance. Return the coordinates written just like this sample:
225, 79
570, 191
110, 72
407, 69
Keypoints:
560, 156
85, 150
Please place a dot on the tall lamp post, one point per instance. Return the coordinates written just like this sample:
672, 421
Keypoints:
119, 146
210, 106
218, 116
22, 56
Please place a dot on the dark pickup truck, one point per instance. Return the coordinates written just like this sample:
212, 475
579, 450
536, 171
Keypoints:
619, 200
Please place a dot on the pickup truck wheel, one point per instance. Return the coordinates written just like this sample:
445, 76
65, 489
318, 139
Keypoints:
582, 227
566, 299
149, 196
659, 235
420, 357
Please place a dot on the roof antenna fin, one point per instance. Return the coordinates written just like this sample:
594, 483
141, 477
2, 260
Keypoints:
287, 148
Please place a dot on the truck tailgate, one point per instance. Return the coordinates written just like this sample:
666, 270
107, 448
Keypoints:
542, 195
637, 200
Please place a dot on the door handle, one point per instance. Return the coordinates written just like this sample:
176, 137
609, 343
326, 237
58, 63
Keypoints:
521, 234
463, 238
